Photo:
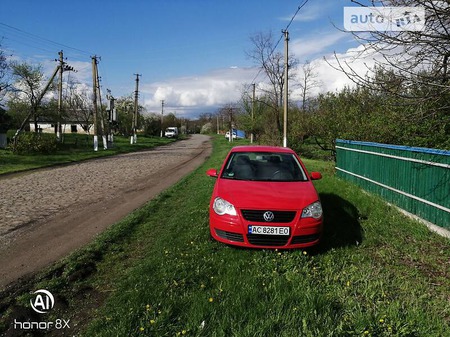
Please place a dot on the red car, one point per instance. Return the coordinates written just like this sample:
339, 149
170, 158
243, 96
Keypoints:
264, 198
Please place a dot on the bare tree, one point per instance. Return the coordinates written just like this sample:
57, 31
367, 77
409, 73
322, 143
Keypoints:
272, 63
79, 104
416, 58
308, 81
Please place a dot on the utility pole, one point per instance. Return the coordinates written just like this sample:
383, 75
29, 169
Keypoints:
103, 130
218, 124
33, 108
112, 117
253, 111
286, 91
59, 68
94, 99
135, 116
60, 87
230, 138
162, 117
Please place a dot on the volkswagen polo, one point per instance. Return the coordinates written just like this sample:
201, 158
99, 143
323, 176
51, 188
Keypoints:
265, 198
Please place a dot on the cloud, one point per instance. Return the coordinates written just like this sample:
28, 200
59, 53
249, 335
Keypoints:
191, 95
311, 12
359, 60
315, 45
187, 95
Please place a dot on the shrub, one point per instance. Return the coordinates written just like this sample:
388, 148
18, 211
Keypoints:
30, 143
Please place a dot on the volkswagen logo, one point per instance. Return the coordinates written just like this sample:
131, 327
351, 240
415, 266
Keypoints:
268, 216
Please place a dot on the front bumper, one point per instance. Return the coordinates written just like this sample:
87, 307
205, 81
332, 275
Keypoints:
304, 232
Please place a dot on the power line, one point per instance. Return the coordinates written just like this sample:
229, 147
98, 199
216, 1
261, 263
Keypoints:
298, 10
282, 35
40, 38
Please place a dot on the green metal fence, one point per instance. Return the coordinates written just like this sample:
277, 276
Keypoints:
415, 179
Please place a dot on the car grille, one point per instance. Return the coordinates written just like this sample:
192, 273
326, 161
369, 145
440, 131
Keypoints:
230, 236
258, 215
304, 238
268, 240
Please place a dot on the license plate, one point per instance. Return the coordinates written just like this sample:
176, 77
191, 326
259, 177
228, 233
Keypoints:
268, 230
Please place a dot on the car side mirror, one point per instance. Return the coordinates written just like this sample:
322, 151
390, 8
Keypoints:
315, 176
212, 173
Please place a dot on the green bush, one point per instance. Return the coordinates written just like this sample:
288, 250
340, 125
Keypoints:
30, 143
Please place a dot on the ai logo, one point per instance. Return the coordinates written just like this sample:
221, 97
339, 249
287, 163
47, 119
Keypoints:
43, 302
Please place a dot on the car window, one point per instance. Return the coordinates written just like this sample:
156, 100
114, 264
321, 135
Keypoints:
263, 166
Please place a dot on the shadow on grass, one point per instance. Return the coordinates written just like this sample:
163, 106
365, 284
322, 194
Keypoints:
341, 223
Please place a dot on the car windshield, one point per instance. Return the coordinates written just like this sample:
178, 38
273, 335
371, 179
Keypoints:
263, 166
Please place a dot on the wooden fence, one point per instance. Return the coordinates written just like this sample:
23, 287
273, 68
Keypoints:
414, 179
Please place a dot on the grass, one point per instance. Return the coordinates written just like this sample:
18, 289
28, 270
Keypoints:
157, 273
75, 148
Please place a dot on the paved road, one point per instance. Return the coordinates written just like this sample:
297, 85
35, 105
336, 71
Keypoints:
46, 214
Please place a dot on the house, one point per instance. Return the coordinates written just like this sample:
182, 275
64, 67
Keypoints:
47, 125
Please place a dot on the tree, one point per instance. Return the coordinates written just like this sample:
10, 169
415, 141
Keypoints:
79, 104
5, 120
3, 74
125, 111
27, 86
308, 81
259, 122
152, 124
415, 57
272, 63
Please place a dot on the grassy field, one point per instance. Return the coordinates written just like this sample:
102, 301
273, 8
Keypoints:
75, 148
157, 273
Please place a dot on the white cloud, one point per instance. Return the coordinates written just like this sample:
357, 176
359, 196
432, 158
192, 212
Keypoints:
315, 45
312, 11
198, 93
359, 60
189, 96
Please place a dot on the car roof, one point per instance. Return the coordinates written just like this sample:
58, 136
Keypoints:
261, 148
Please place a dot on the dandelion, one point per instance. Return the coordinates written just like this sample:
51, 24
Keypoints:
366, 332
202, 286
211, 300
348, 283
141, 328
183, 332
147, 307
305, 252
381, 320
152, 321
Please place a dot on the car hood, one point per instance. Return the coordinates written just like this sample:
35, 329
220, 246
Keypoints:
267, 195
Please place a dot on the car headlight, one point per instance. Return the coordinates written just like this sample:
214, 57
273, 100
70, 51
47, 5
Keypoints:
221, 207
313, 211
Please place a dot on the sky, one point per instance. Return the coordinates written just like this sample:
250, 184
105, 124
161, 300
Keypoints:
193, 54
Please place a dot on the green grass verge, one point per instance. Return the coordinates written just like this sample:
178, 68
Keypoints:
75, 148
157, 273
